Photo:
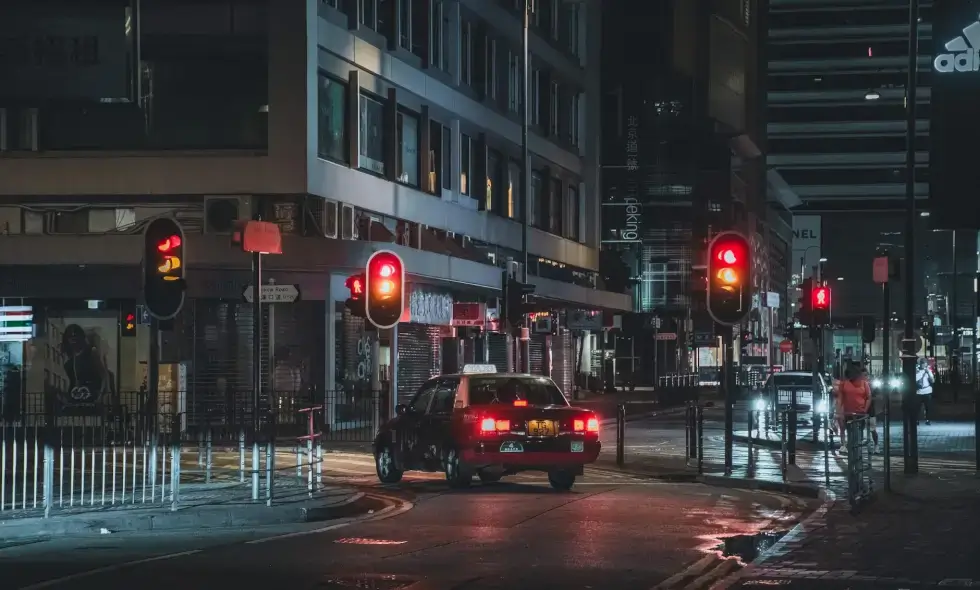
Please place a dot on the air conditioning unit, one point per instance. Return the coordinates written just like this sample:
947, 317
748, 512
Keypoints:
348, 229
221, 214
321, 217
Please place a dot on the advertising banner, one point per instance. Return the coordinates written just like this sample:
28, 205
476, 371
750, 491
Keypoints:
79, 375
806, 244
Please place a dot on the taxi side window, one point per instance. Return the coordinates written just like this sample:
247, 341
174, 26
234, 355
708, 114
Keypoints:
444, 398
424, 396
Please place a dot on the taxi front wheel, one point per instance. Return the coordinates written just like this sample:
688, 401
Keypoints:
561, 480
384, 462
457, 474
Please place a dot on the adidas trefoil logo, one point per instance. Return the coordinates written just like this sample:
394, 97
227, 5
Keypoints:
964, 53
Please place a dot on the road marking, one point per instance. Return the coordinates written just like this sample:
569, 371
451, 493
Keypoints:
394, 509
723, 569
106, 569
695, 569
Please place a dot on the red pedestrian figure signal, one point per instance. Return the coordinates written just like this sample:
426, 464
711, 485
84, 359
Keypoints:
821, 298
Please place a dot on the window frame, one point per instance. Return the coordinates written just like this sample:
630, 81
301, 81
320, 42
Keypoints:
400, 115
465, 164
344, 146
361, 136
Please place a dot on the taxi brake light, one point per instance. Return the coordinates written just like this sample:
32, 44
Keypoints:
578, 425
491, 425
520, 403
592, 425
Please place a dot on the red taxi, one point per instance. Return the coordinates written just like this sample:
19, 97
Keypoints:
486, 424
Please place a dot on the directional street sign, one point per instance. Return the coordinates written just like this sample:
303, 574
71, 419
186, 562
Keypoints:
273, 293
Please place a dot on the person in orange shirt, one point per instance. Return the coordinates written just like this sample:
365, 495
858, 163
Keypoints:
853, 398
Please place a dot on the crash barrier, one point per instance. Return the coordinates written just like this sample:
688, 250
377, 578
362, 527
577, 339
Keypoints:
678, 389
691, 454
860, 485
51, 463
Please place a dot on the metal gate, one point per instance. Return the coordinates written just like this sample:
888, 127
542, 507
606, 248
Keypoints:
419, 357
499, 351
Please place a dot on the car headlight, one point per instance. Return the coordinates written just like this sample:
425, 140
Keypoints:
877, 383
895, 383
822, 407
760, 405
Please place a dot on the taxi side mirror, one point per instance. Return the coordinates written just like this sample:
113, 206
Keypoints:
401, 409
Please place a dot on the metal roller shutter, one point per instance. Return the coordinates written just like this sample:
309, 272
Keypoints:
537, 347
563, 361
419, 356
498, 351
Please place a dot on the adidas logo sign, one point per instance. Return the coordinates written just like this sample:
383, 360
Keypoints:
965, 52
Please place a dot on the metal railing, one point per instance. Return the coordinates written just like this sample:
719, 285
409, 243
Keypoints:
860, 484
52, 462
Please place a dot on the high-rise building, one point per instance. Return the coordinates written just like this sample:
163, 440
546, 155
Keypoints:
683, 159
353, 125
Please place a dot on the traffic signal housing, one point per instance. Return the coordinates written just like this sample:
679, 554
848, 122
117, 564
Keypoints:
820, 304
385, 288
805, 315
164, 263
127, 323
355, 302
729, 278
515, 306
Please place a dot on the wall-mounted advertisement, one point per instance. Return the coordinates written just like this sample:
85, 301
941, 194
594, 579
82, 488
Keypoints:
806, 244
81, 347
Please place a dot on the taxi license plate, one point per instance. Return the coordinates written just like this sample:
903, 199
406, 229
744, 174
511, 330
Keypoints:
541, 428
578, 446
511, 447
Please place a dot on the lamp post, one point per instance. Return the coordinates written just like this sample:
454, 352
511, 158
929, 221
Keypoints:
910, 448
525, 338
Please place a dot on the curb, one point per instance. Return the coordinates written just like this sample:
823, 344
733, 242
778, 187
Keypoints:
794, 536
190, 518
646, 415
744, 483
801, 444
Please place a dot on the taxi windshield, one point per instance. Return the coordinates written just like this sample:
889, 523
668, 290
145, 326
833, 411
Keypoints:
536, 391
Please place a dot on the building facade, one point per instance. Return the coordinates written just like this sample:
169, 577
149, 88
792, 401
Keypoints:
354, 125
683, 159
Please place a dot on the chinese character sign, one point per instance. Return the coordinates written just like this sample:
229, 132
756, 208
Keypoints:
632, 139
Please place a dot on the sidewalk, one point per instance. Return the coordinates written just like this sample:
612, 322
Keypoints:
199, 506
921, 535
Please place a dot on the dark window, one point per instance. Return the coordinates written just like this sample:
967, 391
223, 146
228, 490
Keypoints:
573, 212
440, 35
371, 138
555, 209
535, 114
864, 49
466, 54
421, 400
332, 120
465, 154
495, 182
867, 111
407, 165
445, 397
844, 145
420, 27
433, 182
367, 13
386, 25
491, 68
447, 158
536, 391
405, 24
514, 209
537, 187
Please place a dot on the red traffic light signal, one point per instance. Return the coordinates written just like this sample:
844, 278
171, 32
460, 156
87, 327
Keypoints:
385, 288
820, 298
729, 278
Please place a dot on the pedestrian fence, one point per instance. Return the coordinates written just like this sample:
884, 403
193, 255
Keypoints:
78, 463
860, 484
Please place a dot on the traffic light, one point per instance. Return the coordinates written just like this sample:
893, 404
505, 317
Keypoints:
805, 314
127, 325
355, 303
729, 278
385, 287
515, 308
820, 303
164, 263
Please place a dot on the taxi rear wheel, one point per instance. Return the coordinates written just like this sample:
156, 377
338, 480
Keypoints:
489, 476
457, 474
384, 463
561, 480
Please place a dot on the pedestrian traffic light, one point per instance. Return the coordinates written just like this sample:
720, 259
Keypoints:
355, 302
729, 278
164, 264
127, 325
820, 304
385, 288
515, 305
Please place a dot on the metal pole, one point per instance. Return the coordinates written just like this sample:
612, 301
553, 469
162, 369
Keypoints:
886, 382
954, 353
256, 367
525, 344
727, 336
910, 447
393, 378
976, 386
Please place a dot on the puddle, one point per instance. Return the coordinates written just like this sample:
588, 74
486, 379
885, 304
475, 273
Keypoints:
748, 547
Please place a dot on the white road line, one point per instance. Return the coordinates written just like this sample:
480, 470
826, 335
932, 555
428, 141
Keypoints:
695, 569
105, 570
724, 568
387, 512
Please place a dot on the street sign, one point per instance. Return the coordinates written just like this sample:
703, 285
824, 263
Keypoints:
880, 270
666, 336
786, 346
578, 319
273, 293
142, 315
469, 314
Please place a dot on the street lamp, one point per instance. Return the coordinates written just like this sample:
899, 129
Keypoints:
872, 95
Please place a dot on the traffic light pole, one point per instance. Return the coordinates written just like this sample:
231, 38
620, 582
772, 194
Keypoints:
728, 392
525, 344
911, 435
256, 367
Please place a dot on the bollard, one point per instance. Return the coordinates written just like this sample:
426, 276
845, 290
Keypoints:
241, 456
791, 438
270, 460
208, 456
826, 450
784, 450
699, 417
751, 416
620, 434
48, 478
255, 467
175, 475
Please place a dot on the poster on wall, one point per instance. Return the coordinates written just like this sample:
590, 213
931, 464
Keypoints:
79, 375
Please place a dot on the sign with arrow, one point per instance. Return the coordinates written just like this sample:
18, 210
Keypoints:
273, 293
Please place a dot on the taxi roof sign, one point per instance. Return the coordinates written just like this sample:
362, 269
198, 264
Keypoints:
476, 369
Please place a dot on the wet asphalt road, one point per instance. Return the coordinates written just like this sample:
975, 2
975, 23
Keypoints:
615, 531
